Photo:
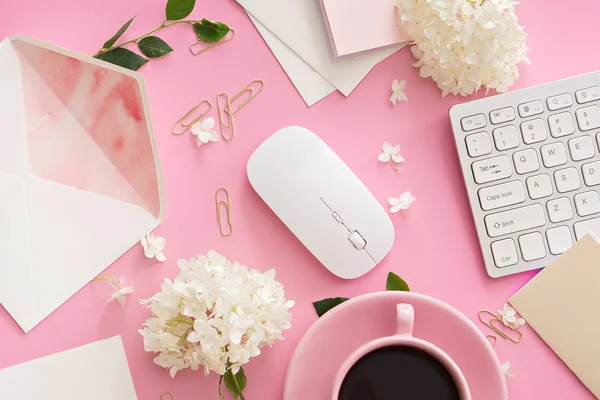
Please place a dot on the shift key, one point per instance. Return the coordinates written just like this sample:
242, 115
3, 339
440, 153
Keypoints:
518, 219
491, 169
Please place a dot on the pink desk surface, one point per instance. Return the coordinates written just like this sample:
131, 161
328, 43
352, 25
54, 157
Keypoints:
436, 249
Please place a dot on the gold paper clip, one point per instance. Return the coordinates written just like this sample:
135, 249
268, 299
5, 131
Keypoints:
248, 89
181, 123
490, 324
492, 342
225, 110
164, 396
210, 46
227, 208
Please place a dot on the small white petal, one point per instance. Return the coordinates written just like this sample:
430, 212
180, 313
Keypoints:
394, 98
395, 85
160, 256
402, 96
393, 201
398, 158
214, 137
384, 157
149, 252
387, 147
159, 243
395, 149
122, 300
401, 86
196, 129
208, 124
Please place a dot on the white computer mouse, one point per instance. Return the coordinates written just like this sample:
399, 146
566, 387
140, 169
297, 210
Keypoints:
321, 201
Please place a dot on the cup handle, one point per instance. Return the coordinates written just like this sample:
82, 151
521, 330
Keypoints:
405, 319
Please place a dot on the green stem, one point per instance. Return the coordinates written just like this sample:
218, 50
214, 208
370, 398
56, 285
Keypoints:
237, 386
137, 39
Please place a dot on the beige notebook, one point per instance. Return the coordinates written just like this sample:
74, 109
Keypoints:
569, 287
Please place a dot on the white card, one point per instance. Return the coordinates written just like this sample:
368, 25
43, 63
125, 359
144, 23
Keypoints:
96, 371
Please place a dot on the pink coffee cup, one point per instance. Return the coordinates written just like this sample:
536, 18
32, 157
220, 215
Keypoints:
404, 337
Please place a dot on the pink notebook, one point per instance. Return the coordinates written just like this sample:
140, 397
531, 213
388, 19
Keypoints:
346, 22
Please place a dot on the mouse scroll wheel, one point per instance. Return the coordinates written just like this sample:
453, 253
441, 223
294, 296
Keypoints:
357, 240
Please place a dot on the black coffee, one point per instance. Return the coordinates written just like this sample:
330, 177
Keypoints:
398, 373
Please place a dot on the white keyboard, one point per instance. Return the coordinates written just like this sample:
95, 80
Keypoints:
531, 166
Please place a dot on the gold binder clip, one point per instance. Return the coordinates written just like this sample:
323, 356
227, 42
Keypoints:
490, 324
225, 116
227, 208
182, 123
253, 92
164, 396
210, 46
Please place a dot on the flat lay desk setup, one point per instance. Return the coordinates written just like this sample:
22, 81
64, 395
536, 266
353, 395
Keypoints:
504, 184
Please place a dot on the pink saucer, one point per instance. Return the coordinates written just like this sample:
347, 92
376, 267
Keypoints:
333, 337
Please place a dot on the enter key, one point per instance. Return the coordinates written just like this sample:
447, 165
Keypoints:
505, 194
518, 219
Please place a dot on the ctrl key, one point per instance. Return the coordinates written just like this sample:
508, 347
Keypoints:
505, 253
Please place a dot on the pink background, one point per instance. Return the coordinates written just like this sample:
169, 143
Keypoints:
436, 249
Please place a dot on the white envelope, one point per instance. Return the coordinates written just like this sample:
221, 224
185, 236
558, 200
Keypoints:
96, 371
80, 179
310, 84
299, 24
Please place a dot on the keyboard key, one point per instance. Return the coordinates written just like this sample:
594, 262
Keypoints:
502, 115
567, 179
531, 108
587, 203
561, 101
539, 186
581, 148
559, 210
588, 118
506, 137
561, 124
473, 122
554, 154
586, 95
591, 173
559, 239
589, 226
491, 169
505, 253
478, 144
526, 161
518, 219
532, 246
534, 131
502, 195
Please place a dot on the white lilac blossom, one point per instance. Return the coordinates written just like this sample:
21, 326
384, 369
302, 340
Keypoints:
401, 203
391, 155
509, 317
216, 315
204, 132
153, 247
398, 92
465, 45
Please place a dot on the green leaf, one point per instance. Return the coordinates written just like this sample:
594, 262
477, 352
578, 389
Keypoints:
235, 383
123, 57
322, 306
179, 9
394, 282
154, 47
209, 31
117, 35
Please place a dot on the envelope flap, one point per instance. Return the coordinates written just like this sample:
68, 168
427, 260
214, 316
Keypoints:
17, 283
87, 97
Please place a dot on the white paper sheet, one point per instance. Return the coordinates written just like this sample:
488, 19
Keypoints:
299, 24
309, 83
97, 371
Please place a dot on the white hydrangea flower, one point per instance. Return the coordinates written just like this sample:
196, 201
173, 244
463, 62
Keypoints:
464, 45
204, 132
398, 92
153, 246
215, 314
120, 294
509, 317
401, 203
